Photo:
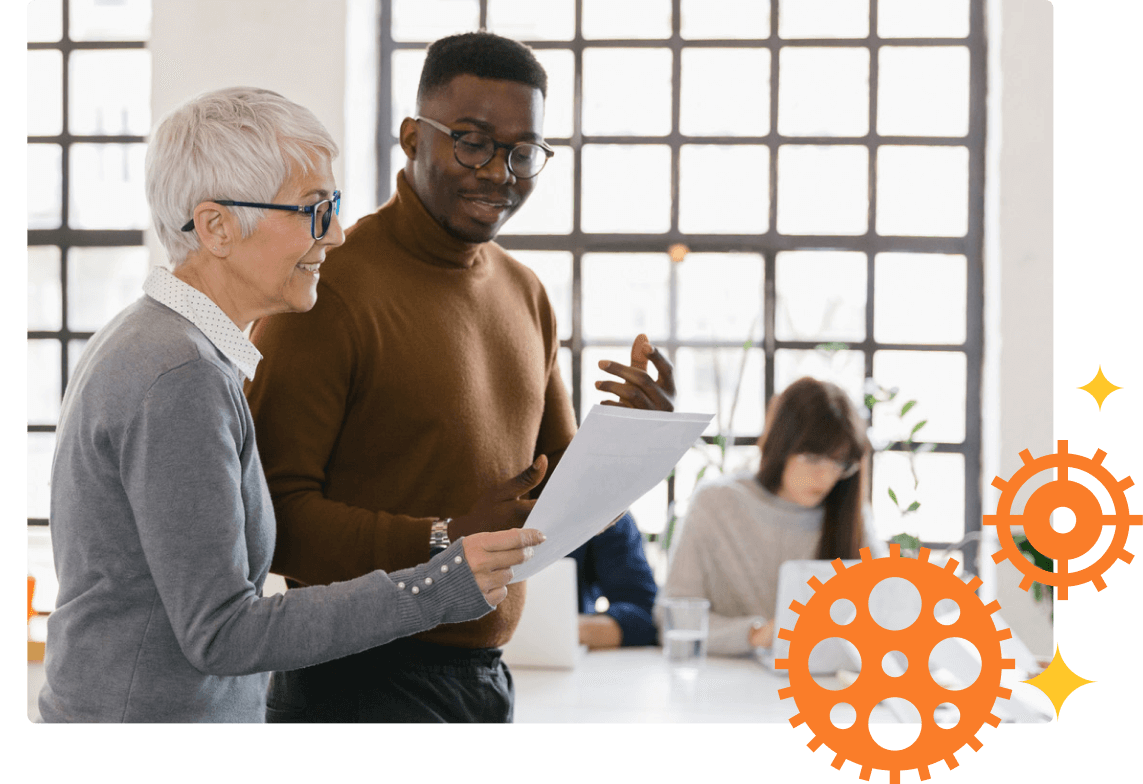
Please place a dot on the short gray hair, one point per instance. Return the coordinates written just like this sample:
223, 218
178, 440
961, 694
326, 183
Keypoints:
239, 143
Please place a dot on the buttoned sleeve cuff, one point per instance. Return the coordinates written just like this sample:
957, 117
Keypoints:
443, 590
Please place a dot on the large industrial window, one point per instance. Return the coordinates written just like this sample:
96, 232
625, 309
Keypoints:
768, 190
89, 98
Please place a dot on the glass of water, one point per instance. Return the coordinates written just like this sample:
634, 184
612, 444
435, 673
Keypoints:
685, 625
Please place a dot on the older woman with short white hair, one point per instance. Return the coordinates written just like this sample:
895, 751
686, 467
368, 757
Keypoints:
162, 527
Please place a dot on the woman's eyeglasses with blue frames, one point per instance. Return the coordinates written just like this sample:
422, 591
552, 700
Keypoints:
322, 212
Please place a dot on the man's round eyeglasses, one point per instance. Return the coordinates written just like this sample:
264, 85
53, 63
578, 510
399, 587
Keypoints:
473, 149
320, 214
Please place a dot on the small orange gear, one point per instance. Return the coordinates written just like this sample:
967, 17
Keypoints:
873, 684
1036, 519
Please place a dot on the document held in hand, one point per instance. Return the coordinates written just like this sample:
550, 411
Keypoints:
617, 456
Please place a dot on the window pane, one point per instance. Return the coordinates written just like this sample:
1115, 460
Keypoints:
936, 380
940, 490
43, 382
428, 20
626, 188
627, 91
110, 20
823, 92
75, 350
922, 91
101, 282
725, 92
564, 360
823, 18
724, 188
44, 186
820, 296
40, 449
107, 187
720, 296
930, 19
922, 191
717, 380
527, 20
45, 301
45, 93
558, 107
823, 190
626, 18
843, 367
625, 294
920, 298
407, 64
110, 92
725, 19
45, 20
554, 269
650, 511
549, 209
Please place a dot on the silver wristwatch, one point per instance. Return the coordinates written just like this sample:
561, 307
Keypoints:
438, 536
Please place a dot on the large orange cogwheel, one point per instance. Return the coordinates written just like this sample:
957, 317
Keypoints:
916, 642
1036, 519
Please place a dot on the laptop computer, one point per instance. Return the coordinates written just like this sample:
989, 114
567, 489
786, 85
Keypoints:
548, 633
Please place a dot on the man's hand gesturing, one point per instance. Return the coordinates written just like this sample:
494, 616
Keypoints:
638, 389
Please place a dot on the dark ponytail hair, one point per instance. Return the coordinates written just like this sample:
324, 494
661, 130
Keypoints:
816, 417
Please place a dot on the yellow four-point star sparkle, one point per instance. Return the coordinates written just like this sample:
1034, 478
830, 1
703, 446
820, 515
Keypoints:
1058, 681
1099, 388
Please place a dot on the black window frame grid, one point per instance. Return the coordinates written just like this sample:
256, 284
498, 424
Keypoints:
64, 237
771, 242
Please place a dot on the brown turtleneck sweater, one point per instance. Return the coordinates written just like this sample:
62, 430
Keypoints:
425, 374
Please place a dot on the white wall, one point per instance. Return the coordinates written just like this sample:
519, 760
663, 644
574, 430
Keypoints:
1018, 280
293, 47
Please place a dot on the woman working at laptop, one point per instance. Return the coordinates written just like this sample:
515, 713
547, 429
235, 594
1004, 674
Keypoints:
805, 501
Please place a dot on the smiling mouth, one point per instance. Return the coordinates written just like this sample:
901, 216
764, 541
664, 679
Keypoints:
310, 268
488, 208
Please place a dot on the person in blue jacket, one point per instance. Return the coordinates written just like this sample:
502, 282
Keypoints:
613, 564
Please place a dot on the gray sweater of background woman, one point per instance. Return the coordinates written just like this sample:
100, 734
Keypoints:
162, 533
734, 537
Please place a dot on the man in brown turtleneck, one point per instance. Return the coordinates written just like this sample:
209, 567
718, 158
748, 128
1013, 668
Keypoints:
423, 388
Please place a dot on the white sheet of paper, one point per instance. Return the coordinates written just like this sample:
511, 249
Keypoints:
617, 456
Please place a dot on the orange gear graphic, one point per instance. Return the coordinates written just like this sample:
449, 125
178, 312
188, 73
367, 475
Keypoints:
1036, 519
873, 684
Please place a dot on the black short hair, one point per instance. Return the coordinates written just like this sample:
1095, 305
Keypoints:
482, 54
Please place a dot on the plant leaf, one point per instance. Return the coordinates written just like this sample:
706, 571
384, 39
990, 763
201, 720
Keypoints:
905, 408
907, 541
917, 427
870, 401
913, 506
894, 497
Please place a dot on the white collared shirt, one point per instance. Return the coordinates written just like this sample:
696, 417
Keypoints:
200, 310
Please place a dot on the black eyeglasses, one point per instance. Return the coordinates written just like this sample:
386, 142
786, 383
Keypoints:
473, 149
323, 211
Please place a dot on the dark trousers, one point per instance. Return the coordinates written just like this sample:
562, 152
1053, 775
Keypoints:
407, 681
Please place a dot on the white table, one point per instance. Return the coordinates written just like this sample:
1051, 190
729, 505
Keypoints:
637, 685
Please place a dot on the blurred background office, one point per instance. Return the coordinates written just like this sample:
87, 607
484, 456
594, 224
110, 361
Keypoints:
855, 190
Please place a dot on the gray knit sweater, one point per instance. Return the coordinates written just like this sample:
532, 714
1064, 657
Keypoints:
162, 532
734, 537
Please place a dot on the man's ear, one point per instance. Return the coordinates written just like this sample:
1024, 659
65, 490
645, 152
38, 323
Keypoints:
409, 137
